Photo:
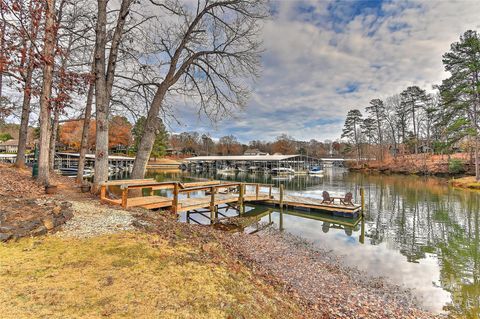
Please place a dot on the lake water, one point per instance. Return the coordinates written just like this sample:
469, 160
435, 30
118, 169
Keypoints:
419, 233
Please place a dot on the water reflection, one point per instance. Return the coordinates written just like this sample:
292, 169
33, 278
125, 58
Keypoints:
418, 232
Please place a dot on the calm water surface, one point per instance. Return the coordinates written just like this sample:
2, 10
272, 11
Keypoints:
419, 232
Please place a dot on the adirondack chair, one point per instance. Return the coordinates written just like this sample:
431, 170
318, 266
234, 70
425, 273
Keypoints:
347, 200
326, 198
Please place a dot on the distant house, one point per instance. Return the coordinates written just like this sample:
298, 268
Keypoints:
254, 151
425, 149
10, 146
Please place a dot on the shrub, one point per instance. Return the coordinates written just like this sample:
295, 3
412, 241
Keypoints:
456, 166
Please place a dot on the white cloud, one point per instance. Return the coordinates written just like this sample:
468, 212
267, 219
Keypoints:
311, 56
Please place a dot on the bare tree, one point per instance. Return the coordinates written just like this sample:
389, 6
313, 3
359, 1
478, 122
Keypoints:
48, 58
22, 22
211, 49
104, 79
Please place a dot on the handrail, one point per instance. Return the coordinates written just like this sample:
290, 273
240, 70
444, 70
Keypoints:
208, 187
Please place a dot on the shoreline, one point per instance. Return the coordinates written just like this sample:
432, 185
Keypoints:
293, 277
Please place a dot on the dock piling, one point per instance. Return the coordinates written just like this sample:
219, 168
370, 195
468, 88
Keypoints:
212, 204
281, 195
175, 198
362, 197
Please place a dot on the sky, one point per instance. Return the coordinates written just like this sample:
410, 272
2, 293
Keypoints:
323, 58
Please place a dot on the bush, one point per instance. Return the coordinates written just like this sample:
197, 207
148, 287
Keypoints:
5, 137
456, 166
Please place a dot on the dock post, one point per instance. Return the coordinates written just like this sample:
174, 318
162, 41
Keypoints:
212, 204
362, 230
124, 196
175, 198
281, 195
270, 192
240, 198
362, 197
257, 190
103, 191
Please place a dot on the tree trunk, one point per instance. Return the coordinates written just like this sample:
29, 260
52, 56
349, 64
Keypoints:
148, 137
477, 168
23, 133
86, 128
48, 57
53, 137
101, 100
104, 76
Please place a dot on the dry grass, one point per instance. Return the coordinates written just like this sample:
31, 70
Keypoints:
466, 182
130, 275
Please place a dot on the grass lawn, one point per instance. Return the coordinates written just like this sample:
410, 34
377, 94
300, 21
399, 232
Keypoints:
130, 275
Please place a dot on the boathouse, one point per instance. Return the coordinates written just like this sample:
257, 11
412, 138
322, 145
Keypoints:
297, 162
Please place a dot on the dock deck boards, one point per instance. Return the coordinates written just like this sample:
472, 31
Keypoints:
199, 202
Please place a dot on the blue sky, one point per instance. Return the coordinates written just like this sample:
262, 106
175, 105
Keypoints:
323, 58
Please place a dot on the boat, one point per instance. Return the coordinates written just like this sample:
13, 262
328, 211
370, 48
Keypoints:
282, 171
253, 169
226, 170
315, 171
242, 169
72, 171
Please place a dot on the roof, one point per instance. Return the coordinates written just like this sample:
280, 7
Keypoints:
242, 158
110, 157
9, 143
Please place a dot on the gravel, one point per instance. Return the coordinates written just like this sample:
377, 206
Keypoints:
321, 278
93, 219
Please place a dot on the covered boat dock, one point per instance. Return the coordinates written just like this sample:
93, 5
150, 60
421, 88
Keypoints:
299, 163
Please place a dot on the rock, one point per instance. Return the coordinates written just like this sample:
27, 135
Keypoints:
29, 225
39, 231
6, 229
49, 222
66, 204
68, 214
57, 210
5, 236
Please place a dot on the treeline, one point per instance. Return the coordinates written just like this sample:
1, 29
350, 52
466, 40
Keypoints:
99, 58
414, 121
193, 143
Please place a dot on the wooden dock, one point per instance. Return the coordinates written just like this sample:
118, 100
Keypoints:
206, 197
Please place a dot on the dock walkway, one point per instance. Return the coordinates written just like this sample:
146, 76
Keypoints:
209, 195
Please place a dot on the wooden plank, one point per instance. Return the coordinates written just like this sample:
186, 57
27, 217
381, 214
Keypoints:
149, 201
130, 181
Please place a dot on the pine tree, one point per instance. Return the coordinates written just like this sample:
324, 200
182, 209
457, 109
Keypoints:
461, 91
351, 129
377, 114
413, 99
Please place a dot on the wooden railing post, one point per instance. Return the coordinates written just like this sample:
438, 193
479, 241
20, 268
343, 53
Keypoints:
124, 196
240, 197
281, 195
362, 197
212, 203
175, 198
257, 190
103, 191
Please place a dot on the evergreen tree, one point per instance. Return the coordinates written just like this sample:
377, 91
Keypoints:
377, 114
413, 99
461, 91
351, 129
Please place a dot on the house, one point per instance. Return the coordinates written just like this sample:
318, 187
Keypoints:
10, 146
254, 151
